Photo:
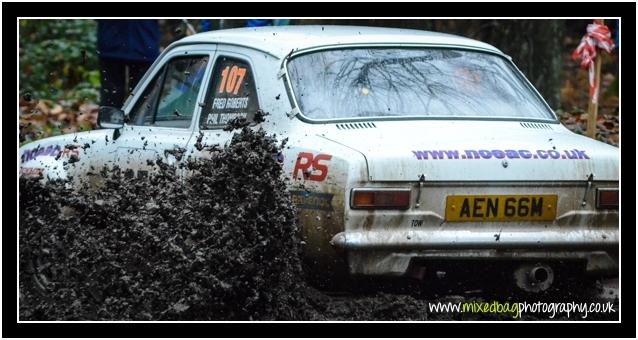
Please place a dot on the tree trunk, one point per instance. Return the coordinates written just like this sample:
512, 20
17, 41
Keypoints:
535, 47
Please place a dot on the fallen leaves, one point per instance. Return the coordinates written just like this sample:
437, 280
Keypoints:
607, 126
43, 118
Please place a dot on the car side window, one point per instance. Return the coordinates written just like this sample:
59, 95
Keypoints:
170, 99
231, 94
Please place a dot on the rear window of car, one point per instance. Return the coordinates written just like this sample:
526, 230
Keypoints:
411, 82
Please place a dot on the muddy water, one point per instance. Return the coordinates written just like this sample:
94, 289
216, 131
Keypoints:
220, 245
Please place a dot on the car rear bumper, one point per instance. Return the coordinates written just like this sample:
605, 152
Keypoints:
390, 252
565, 238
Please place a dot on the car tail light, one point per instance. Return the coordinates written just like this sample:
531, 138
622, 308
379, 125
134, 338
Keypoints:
380, 199
607, 198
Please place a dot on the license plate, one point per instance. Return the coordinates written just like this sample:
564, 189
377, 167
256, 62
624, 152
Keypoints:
488, 208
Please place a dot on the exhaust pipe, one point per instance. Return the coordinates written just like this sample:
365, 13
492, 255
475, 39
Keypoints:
534, 278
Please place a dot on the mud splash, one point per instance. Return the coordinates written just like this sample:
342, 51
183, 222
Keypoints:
221, 244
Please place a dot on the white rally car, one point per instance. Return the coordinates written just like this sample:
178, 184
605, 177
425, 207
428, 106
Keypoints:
405, 147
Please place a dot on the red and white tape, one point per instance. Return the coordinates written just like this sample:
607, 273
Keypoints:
598, 36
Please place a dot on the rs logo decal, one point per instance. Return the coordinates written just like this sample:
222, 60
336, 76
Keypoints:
313, 168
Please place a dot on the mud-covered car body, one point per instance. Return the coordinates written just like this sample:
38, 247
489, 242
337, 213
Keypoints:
403, 146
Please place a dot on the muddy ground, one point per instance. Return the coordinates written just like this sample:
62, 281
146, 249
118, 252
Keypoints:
220, 245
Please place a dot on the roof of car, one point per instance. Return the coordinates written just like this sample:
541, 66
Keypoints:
279, 41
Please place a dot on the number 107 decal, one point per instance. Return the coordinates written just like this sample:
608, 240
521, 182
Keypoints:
232, 78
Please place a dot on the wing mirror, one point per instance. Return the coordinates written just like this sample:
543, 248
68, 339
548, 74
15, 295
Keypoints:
109, 117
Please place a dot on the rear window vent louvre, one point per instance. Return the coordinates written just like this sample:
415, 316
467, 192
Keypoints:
356, 126
529, 125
